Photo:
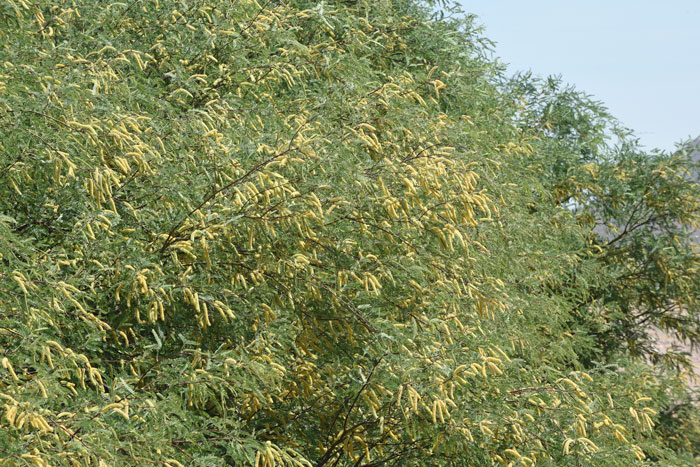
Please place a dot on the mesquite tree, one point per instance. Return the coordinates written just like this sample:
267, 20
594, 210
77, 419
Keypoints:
298, 233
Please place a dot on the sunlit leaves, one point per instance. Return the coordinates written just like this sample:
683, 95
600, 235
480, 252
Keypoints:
289, 233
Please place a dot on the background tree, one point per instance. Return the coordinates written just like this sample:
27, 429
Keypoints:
641, 209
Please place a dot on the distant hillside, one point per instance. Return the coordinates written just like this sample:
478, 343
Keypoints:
695, 148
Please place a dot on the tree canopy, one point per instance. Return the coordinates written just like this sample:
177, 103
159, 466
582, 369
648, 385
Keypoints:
326, 233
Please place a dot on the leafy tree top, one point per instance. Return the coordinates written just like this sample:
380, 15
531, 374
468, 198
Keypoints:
316, 233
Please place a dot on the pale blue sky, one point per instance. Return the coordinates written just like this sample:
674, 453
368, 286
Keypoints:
641, 58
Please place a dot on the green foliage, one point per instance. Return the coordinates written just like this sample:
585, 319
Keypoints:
641, 209
320, 233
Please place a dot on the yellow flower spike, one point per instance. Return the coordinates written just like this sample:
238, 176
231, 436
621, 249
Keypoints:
42, 388
567, 445
634, 414
591, 445
11, 414
8, 366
